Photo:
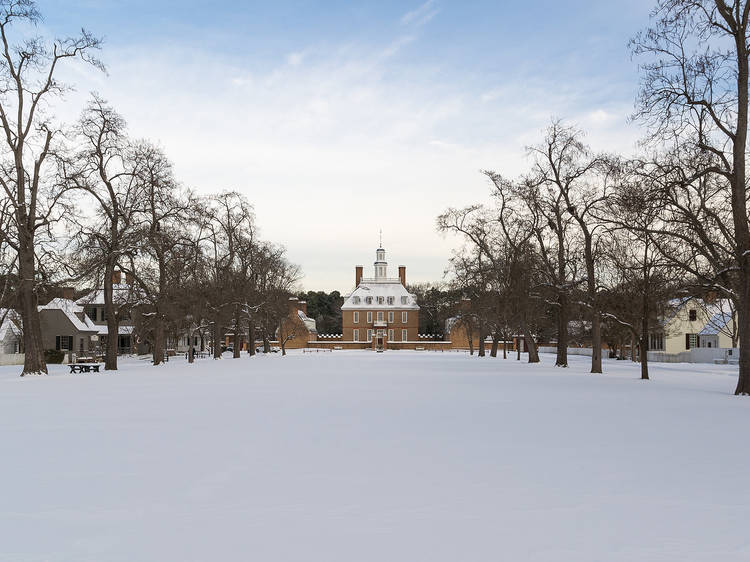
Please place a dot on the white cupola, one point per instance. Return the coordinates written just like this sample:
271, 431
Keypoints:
381, 266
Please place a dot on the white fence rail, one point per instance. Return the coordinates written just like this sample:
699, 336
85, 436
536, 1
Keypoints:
11, 358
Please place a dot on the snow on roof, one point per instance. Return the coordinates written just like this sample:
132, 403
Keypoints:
389, 288
310, 323
71, 310
8, 324
716, 324
121, 330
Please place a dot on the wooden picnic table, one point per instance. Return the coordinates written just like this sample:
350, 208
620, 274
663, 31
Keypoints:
84, 368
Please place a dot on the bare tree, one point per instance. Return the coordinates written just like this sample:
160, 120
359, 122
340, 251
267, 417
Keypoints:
104, 169
694, 97
27, 84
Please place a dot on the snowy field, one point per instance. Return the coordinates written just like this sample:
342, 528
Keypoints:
357, 456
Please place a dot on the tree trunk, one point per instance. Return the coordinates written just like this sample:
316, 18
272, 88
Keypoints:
251, 336
217, 338
34, 363
236, 343
505, 347
158, 351
495, 340
530, 344
743, 381
110, 359
266, 344
562, 331
481, 339
191, 347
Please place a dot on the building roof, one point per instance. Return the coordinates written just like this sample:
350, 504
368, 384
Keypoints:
309, 323
385, 289
71, 311
9, 324
716, 324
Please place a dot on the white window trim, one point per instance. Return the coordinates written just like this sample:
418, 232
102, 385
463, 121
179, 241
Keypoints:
380, 315
369, 316
369, 335
391, 335
404, 317
355, 317
390, 317
404, 335
355, 335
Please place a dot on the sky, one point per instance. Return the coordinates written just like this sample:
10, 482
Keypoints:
340, 119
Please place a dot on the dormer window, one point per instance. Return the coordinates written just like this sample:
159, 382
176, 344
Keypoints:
381, 300
355, 300
404, 300
368, 300
390, 300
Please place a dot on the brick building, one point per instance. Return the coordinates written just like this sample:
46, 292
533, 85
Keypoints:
380, 310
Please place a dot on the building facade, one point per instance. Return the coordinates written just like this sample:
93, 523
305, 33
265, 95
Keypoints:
380, 310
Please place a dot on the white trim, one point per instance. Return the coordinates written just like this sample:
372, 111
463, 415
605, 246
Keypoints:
355, 317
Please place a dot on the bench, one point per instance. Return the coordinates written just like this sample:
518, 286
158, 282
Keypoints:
84, 368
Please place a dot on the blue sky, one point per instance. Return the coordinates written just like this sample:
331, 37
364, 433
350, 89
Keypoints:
338, 119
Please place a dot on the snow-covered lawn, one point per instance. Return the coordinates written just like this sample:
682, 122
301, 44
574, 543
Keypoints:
357, 456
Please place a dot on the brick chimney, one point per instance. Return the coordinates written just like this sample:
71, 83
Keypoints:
402, 274
302, 305
117, 277
357, 275
128, 279
68, 293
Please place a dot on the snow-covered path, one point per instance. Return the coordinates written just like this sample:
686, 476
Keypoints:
357, 456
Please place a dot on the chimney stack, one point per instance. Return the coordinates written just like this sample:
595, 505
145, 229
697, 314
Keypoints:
357, 275
302, 306
117, 277
402, 274
68, 293
128, 279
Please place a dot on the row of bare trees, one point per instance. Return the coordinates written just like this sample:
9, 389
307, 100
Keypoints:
610, 239
83, 203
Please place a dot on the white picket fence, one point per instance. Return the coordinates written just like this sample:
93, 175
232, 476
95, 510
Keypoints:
11, 358
697, 355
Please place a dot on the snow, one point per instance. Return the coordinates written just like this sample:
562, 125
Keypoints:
396, 456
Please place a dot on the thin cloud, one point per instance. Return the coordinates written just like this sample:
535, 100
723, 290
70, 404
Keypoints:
420, 15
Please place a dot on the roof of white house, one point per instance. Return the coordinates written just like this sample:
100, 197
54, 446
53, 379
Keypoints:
375, 292
358, 299
309, 323
9, 323
121, 330
71, 310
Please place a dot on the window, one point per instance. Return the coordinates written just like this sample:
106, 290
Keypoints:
369, 316
390, 335
380, 315
691, 341
391, 300
355, 335
693, 315
91, 312
381, 300
64, 343
404, 316
390, 317
355, 300
355, 317
656, 342
368, 300
404, 335
404, 300
369, 335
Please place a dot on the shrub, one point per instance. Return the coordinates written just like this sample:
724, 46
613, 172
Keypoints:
53, 356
